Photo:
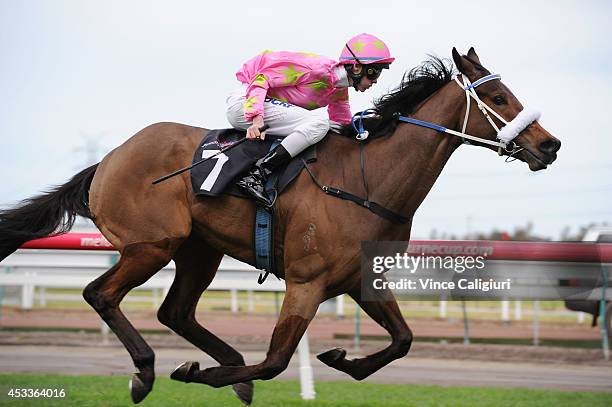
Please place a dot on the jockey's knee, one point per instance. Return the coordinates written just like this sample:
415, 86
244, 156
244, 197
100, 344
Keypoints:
318, 127
232, 118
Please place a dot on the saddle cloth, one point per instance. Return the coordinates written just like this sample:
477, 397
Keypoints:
219, 174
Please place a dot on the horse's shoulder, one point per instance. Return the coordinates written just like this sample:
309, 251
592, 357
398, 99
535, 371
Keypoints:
334, 146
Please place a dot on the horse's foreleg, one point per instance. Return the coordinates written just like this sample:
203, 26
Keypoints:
299, 307
387, 314
138, 263
196, 266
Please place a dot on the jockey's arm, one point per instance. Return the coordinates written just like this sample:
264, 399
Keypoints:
255, 97
339, 109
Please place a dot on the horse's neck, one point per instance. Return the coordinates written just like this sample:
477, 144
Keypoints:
407, 164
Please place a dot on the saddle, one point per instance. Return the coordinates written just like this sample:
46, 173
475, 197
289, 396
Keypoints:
218, 175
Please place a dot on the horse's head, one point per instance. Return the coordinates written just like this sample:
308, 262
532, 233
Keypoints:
533, 144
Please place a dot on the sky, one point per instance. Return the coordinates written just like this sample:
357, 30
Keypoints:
78, 78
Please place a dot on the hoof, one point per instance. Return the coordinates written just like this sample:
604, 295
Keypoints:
184, 372
138, 389
331, 357
244, 391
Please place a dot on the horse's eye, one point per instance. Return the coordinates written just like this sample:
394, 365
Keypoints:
499, 100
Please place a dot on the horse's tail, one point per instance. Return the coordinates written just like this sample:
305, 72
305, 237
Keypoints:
53, 212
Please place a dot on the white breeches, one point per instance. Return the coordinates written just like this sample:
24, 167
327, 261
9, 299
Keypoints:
300, 128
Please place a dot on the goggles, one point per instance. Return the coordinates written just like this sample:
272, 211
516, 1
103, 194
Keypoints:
372, 73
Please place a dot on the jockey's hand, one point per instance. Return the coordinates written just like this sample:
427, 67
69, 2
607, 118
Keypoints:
253, 130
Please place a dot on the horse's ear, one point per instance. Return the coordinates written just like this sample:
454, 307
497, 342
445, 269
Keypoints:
473, 56
457, 60
464, 65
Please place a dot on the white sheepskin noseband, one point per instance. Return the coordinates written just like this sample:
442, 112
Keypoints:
518, 124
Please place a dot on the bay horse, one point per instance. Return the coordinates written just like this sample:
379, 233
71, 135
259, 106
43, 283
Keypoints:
318, 236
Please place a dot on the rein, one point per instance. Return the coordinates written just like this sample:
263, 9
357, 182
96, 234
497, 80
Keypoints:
505, 135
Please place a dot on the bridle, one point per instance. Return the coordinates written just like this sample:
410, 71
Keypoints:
510, 130
505, 135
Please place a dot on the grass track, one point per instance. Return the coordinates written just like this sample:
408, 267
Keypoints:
106, 391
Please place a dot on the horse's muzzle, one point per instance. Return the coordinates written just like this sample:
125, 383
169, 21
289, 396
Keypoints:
550, 147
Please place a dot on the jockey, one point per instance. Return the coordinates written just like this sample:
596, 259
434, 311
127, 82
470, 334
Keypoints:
280, 89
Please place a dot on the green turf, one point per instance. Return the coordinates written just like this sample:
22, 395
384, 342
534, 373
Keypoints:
102, 391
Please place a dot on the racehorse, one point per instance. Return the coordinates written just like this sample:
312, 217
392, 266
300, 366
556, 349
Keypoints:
318, 236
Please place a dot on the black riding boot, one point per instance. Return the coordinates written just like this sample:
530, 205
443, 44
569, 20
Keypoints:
255, 182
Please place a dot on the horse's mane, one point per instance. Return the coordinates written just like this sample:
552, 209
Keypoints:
417, 85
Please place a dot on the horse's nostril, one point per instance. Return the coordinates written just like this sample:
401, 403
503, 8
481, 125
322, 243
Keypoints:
550, 146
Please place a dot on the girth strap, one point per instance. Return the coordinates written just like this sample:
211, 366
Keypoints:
371, 206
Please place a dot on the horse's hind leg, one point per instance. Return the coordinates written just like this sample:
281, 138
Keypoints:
299, 306
387, 314
139, 261
196, 266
